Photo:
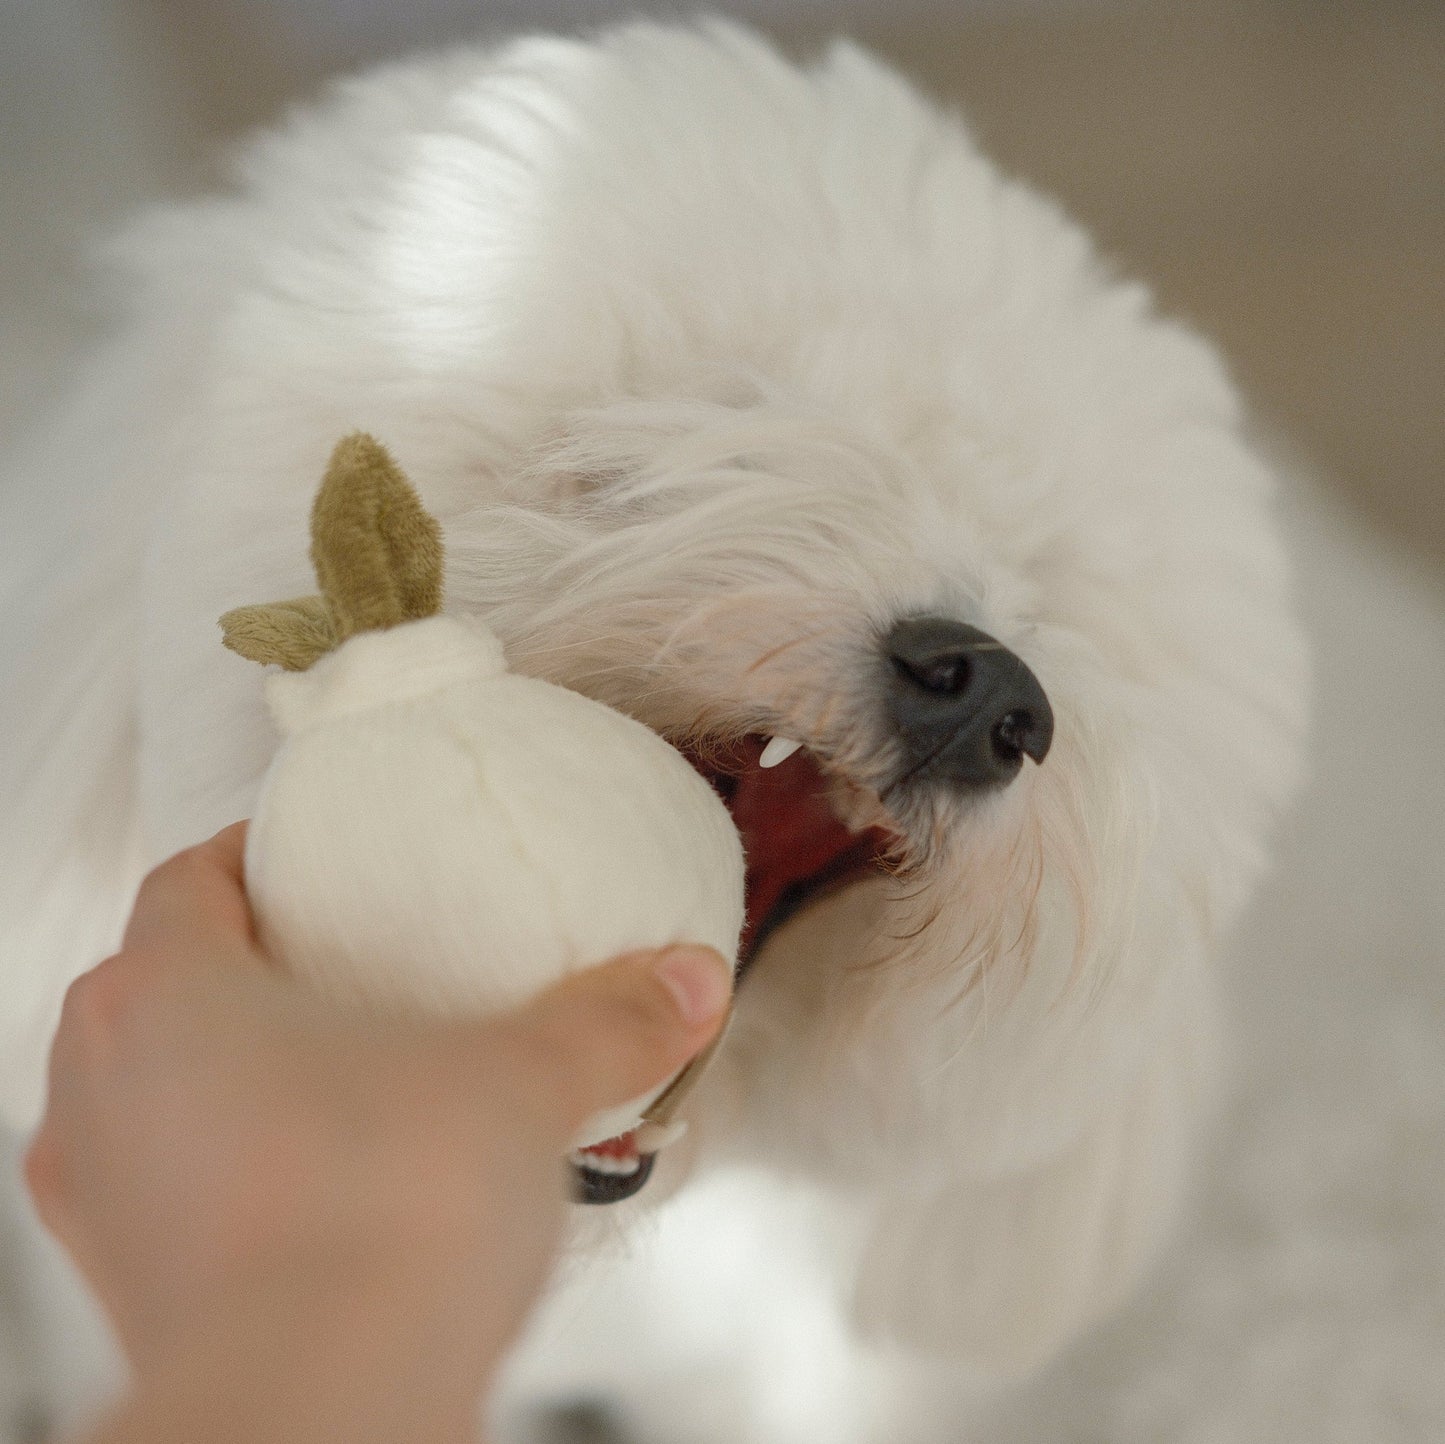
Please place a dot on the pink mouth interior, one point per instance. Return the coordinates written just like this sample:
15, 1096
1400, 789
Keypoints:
795, 849
622, 1149
794, 844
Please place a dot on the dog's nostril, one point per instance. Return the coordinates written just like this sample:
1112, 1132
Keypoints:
1012, 733
947, 675
966, 710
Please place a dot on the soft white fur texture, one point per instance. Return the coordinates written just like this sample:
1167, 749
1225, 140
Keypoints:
703, 359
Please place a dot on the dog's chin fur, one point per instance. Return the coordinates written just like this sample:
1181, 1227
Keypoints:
713, 367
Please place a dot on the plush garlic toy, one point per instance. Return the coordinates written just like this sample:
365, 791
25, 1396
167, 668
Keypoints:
440, 836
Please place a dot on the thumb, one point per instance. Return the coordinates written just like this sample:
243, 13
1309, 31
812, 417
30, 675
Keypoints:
606, 1034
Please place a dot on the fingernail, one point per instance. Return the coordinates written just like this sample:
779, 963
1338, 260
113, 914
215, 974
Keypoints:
698, 979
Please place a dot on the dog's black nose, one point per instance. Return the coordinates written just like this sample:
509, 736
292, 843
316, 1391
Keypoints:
966, 709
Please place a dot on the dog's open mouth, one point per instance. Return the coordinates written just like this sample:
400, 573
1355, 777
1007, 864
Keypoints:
610, 1171
796, 848
797, 851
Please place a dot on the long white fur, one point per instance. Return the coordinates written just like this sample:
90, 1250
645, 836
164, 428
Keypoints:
712, 366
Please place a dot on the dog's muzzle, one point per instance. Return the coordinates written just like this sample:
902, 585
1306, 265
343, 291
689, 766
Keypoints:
966, 710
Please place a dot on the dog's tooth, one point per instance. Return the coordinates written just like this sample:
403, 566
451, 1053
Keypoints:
778, 750
604, 1162
621, 1167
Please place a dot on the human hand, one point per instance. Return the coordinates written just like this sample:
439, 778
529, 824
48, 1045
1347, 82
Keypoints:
233, 1163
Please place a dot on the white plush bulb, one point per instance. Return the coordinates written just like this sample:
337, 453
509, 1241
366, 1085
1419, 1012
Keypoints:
440, 836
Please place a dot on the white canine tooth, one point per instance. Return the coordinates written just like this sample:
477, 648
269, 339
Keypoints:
778, 750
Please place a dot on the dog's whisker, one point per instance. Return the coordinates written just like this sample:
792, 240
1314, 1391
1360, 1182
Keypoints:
774, 653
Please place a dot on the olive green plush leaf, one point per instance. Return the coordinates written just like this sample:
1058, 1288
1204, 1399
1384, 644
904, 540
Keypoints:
377, 552
378, 559
289, 634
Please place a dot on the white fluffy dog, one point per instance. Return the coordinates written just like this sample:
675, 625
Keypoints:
755, 402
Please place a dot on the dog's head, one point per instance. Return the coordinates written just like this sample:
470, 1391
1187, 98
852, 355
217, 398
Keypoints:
1038, 730
796, 420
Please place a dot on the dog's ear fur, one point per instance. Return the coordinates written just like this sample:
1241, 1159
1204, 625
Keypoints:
378, 558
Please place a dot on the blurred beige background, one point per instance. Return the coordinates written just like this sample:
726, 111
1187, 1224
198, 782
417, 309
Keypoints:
1277, 167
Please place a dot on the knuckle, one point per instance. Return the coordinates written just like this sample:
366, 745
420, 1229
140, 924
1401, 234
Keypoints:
178, 873
80, 1009
99, 1002
40, 1169
164, 873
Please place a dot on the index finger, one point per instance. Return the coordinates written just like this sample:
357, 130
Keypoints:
194, 906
